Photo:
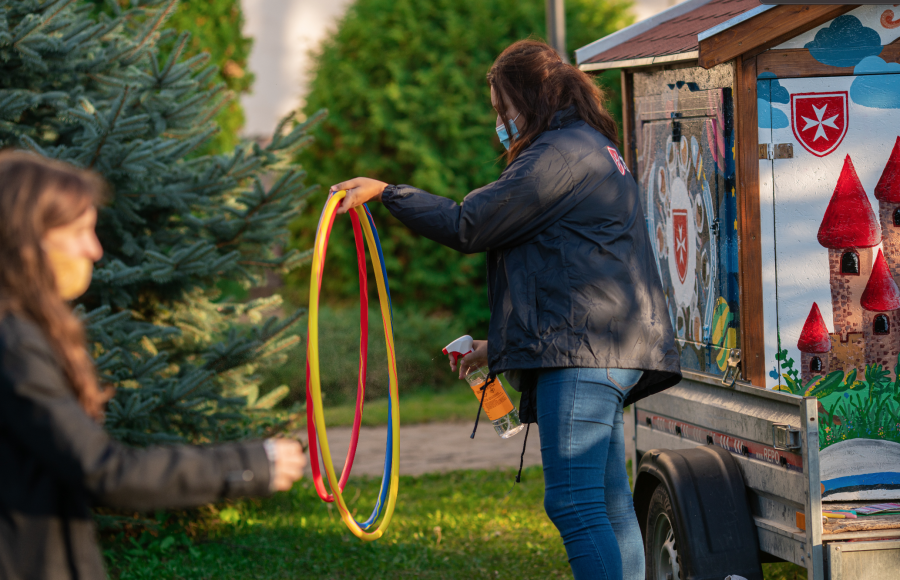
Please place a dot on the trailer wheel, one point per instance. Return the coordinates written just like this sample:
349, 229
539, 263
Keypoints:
661, 541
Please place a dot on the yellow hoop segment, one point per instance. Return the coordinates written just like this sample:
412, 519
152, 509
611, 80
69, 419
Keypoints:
314, 377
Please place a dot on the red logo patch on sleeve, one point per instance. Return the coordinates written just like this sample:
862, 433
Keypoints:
620, 163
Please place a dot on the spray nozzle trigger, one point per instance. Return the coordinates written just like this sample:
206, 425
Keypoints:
459, 348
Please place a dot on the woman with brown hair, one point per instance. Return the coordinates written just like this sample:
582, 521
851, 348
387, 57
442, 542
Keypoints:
56, 458
578, 318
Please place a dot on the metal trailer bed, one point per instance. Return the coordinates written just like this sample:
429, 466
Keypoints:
781, 478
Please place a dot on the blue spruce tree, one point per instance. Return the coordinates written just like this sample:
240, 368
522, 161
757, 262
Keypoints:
94, 89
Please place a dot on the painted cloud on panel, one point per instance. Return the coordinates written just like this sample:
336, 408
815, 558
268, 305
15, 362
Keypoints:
845, 43
768, 91
876, 87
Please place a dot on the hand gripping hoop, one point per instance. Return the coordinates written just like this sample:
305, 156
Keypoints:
362, 220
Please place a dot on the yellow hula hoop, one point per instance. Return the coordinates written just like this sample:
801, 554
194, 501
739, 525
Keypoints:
316, 386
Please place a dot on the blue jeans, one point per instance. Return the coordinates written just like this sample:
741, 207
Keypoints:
587, 495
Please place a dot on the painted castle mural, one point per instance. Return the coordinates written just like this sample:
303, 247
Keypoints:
830, 226
865, 296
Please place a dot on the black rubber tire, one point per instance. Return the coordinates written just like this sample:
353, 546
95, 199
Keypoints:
662, 539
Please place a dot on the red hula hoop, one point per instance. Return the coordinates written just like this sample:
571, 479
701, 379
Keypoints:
363, 363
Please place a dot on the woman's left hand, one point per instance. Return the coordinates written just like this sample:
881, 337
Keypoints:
359, 191
477, 358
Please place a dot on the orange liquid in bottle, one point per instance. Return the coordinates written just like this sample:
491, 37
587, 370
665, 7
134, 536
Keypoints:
496, 401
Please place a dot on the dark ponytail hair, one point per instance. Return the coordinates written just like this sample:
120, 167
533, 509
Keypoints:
532, 76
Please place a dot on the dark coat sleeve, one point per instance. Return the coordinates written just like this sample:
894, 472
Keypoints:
40, 413
528, 197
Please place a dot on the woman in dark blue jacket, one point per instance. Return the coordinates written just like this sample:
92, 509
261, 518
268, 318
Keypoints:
578, 315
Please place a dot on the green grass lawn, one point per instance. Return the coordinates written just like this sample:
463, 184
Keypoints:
460, 525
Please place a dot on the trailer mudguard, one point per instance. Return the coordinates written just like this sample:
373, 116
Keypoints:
716, 532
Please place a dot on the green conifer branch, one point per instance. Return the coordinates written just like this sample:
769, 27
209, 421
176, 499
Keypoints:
94, 91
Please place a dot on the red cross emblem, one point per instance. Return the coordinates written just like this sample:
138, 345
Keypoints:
819, 121
620, 163
680, 226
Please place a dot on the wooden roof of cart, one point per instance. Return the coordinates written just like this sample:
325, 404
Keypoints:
706, 31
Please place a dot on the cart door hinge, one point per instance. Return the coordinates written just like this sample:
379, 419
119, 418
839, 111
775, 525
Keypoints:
732, 371
776, 151
785, 437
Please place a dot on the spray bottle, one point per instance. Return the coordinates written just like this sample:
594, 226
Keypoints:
499, 408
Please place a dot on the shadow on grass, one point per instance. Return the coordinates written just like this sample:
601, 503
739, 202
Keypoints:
458, 525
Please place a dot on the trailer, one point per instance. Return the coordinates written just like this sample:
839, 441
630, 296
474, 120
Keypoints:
765, 141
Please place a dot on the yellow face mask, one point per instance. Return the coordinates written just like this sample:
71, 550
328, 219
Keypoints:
73, 275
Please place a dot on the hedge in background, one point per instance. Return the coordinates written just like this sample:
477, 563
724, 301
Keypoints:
404, 81
418, 341
215, 27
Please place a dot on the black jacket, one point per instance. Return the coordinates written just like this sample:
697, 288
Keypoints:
571, 276
55, 462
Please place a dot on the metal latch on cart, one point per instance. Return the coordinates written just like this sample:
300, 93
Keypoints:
785, 437
776, 150
731, 373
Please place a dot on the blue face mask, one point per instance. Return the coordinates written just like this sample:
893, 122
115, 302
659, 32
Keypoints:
504, 138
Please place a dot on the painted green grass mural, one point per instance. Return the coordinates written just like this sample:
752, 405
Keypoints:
850, 406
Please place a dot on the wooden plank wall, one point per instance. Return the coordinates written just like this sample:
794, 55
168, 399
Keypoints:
798, 62
749, 243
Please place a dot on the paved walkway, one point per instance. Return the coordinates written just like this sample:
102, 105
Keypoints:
437, 447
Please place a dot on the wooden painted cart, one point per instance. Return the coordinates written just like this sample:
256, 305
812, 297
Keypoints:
766, 144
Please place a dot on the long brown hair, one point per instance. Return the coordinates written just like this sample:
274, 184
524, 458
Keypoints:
538, 84
36, 195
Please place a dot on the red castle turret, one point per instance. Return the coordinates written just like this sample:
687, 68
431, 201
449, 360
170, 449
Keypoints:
814, 337
887, 192
850, 231
888, 188
814, 346
849, 221
881, 293
881, 301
